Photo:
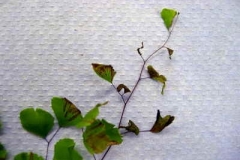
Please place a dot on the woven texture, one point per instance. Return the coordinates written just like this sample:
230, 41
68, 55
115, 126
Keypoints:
47, 47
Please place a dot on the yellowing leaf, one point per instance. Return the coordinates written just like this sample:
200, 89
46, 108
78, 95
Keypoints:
122, 86
90, 117
99, 135
66, 112
168, 16
157, 77
161, 123
104, 71
132, 127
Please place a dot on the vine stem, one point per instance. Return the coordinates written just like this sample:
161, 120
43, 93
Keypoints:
50, 140
138, 80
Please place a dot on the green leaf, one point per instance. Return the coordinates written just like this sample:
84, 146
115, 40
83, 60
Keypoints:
28, 156
64, 150
157, 77
132, 127
104, 71
124, 87
99, 135
38, 122
90, 117
66, 112
168, 16
3, 152
170, 52
161, 123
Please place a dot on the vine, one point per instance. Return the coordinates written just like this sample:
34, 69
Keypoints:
98, 135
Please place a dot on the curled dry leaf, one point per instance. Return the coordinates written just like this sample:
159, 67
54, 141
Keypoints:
161, 122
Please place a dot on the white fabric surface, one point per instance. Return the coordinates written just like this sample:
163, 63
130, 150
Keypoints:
47, 47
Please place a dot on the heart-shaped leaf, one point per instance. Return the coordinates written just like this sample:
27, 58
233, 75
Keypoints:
38, 122
104, 71
90, 117
66, 112
99, 135
161, 123
3, 152
157, 77
168, 16
64, 150
28, 156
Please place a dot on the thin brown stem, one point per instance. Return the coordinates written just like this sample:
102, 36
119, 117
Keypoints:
106, 152
50, 140
118, 93
138, 80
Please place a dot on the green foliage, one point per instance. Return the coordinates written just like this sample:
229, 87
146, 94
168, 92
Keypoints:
38, 122
161, 123
132, 127
66, 112
104, 71
168, 16
99, 135
90, 117
64, 150
28, 156
124, 87
3, 152
157, 77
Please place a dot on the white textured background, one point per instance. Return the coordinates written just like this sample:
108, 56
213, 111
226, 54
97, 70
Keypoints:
47, 46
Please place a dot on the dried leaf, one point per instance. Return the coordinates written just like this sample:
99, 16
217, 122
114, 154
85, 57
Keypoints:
132, 127
157, 77
170, 52
138, 50
161, 122
122, 86
104, 71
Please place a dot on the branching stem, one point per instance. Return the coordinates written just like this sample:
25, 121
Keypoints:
50, 140
139, 79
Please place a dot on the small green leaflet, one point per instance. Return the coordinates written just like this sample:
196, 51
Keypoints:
99, 135
66, 112
132, 127
104, 71
90, 117
28, 156
168, 16
64, 150
38, 122
161, 123
3, 152
170, 52
157, 77
124, 87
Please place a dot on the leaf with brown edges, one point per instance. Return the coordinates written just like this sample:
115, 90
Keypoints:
161, 122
